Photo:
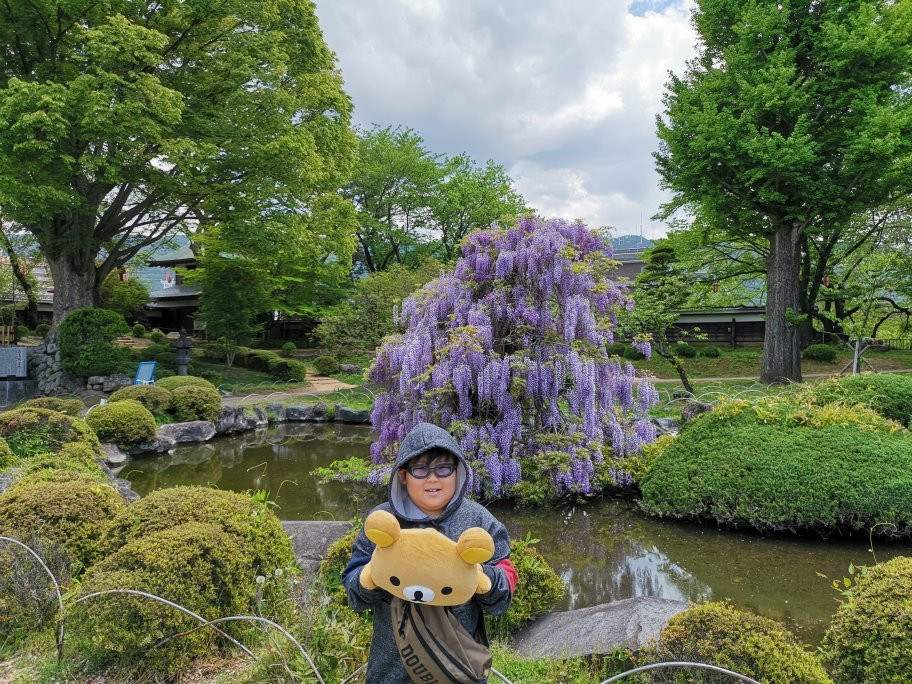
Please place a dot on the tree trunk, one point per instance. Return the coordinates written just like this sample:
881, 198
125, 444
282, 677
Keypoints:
75, 286
782, 343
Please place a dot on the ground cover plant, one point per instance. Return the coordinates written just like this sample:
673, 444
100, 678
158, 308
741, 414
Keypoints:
508, 352
890, 394
35, 433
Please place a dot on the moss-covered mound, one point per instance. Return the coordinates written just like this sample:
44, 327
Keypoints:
68, 510
890, 394
71, 407
125, 423
778, 466
156, 399
717, 634
33, 433
196, 565
196, 403
175, 381
870, 638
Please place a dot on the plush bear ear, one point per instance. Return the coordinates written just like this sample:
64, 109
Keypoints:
382, 528
475, 546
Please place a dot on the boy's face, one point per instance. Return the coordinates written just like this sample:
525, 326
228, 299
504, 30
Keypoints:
432, 493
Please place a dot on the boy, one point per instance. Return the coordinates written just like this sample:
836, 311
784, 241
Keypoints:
427, 489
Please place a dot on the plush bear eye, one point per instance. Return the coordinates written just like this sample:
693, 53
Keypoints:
446, 590
394, 581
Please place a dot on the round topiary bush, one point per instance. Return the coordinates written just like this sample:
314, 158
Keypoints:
35, 432
289, 348
213, 377
139, 330
194, 402
71, 407
684, 350
779, 466
718, 634
158, 337
42, 329
820, 352
126, 423
326, 365
870, 637
154, 397
68, 510
196, 565
86, 338
23, 331
710, 352
890, 394
171, 383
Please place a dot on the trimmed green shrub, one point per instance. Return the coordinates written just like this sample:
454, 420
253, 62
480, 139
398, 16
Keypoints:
289, 349
288, 369
42, 329
632, 354
171, 383
870, 637
35, 432
139, 330
196, 565
212, 376
259, 359
820, 352
126, 423
749, 644
890, 394
710, 352
684, 350
326, 365
249, 522
69, 510
73, 457
154, 397
194, 402
778, 466
158, 337
71, 407
86, 338
618, 348
161, 373
23, 331
7, 457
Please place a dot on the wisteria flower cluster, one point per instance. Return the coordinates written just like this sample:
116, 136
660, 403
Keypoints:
508, 352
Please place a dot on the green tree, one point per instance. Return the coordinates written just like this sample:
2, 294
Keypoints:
126, 297
122, 122
794, 116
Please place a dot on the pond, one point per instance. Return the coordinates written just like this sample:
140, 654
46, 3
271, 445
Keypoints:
605, 550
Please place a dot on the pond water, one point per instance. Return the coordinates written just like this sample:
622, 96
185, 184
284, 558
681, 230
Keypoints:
604, 551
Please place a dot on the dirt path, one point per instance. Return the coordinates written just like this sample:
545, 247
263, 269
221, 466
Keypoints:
318, 385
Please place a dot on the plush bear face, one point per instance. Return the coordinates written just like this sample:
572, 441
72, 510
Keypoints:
424, 566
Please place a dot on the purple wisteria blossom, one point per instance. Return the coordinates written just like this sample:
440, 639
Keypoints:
508, 352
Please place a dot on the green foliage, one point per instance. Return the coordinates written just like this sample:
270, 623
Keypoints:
719, 634
326, 365
289, 349
564, 670
22, 331
775, 465
42, 329
194, 402
126, 297
684, 350
890, 394
35, 432
139, 330
173, 382
71, 407
69, 510
537, 589
85, 342
195, 564
158, 337
635, 465
869, 637
820, 352
632, 354
213, 377
618, 349
126, 423
155, 398
710, 352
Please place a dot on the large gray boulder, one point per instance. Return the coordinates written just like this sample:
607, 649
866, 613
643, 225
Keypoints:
301, 412
311, 540
232, 419
158, 445
598, 629
343, 414
666, 426
113, 456
191, 431
694, 408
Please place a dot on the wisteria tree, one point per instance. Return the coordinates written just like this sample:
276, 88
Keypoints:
508, 352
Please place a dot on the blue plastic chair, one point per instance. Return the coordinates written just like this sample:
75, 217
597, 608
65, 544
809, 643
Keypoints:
145, 374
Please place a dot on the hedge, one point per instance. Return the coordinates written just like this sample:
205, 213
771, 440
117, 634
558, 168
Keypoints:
154, 397
173, 382
126, 423
769, 468
195, 402
890, 394
870, 637
86, 338
820, 352
718, 634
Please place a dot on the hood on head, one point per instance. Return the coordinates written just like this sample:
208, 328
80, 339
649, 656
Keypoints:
421, 438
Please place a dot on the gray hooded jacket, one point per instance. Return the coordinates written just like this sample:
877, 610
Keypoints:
384, 665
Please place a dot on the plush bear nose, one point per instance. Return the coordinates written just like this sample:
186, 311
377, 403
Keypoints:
418, 593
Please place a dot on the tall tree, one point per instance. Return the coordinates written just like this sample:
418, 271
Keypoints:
122, 121
794, 116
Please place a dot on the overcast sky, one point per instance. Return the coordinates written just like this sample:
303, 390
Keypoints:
562, 93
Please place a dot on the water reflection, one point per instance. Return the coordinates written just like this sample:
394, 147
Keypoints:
604, 552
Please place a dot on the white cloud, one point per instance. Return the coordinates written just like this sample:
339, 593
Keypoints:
563, 94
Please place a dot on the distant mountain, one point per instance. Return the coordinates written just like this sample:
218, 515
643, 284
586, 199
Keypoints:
630, 242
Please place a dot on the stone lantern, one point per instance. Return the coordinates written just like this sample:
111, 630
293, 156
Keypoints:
182, 346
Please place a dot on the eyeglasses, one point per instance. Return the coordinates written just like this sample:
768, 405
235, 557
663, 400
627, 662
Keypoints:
423, 472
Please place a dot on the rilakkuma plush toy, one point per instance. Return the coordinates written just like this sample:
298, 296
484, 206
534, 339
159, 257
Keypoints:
422, 565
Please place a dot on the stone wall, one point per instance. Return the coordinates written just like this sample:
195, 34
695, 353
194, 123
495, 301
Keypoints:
44, 368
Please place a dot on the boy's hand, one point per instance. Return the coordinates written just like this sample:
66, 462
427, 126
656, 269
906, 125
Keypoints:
484, 582
365, 578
